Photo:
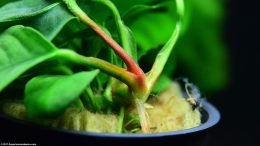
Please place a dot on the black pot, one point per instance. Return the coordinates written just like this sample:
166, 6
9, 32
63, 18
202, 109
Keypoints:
16, 131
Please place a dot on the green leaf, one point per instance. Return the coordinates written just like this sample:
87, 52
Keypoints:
22, 9
126, 37
52, 22
72, 32
97, 12
101, 103
130, 42
151, 25
48, 96
3, 2
21, 48
124, 6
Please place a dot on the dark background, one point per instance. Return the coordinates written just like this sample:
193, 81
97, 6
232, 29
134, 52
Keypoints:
239, 104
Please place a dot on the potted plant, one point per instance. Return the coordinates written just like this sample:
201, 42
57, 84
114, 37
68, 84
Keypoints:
69, 66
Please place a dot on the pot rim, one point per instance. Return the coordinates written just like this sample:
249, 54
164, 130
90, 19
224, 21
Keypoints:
212, 118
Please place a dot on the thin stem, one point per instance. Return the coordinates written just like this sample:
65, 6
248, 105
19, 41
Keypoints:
137, 80
76, 10
142, 115
79, 103
89, 95
121, 120
163, 56
115, 71
122, 29
112, 70
64, 69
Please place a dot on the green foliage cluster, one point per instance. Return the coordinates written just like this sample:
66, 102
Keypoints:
55, 61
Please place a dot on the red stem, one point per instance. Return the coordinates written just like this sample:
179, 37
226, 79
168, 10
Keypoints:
132, 67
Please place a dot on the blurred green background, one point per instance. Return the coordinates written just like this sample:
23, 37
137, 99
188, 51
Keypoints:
201, 53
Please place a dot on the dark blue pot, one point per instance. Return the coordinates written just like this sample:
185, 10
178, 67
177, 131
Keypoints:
16, 131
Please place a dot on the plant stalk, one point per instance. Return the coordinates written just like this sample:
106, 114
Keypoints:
117, 72
162, 57
106, 67
76, 10
138, 85
122, 29
121, 120
142, 115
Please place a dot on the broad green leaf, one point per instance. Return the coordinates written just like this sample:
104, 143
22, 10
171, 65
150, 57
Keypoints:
49, 95
52, 22
18, 10
21, 48
124, 6
151, 25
